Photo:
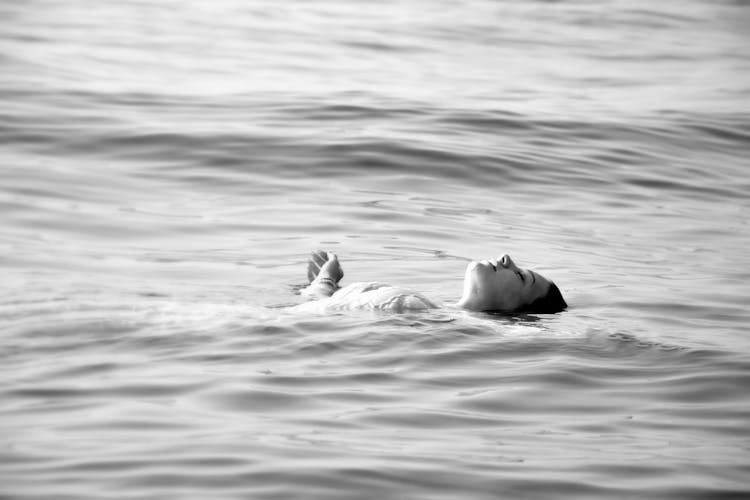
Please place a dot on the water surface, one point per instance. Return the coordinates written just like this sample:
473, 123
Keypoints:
167, 167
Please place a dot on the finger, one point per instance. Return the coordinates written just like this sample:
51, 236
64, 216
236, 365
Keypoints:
319, 258
314, 263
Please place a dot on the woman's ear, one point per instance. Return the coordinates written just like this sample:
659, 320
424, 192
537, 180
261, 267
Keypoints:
551, 302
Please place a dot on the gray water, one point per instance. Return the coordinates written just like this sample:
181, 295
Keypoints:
168, 166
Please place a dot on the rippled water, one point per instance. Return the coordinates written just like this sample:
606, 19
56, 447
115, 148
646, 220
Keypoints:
167, 167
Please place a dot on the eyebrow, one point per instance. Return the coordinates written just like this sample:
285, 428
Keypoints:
533, 277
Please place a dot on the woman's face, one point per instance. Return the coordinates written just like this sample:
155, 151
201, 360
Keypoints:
500, 285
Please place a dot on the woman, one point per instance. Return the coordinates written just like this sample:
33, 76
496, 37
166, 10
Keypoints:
489, 285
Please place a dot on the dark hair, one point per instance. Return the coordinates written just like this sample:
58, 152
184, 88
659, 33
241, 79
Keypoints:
551, 302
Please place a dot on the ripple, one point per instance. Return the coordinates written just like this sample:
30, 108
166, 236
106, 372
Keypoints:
259, 401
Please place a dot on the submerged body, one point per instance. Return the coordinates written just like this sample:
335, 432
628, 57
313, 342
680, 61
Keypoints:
488, 286
372, 296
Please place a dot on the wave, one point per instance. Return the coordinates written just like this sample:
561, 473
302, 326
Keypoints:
662, 154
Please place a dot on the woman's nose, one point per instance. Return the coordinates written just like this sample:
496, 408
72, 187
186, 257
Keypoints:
506, 261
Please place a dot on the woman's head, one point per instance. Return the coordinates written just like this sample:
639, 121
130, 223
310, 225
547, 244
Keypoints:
499, 285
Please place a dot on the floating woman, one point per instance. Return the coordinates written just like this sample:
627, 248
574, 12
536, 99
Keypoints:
489, 285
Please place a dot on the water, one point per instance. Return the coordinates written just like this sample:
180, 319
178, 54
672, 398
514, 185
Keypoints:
167, 167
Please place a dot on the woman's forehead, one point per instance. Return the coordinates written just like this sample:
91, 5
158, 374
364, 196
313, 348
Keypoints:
542, 281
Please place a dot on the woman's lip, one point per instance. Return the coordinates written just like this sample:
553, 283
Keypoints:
483, 263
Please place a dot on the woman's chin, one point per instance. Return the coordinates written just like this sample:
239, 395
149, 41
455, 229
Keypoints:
472, 267
479, 274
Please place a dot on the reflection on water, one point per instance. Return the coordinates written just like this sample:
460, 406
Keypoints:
168, 166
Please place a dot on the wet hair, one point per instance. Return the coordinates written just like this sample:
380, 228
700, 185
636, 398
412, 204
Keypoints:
551, 302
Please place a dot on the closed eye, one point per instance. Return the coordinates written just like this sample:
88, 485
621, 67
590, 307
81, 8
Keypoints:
520, 275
